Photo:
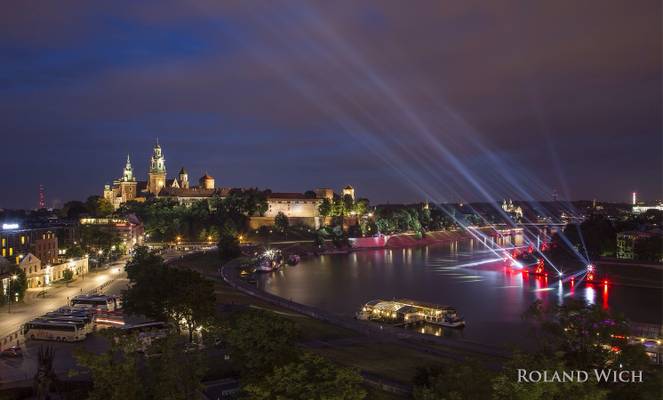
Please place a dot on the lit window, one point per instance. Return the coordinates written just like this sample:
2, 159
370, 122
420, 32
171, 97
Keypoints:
22, 239
4, 241
4, 252
11, 251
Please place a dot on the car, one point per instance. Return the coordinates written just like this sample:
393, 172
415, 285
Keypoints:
12, 352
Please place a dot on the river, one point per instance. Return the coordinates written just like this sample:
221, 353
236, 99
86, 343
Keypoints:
462, 274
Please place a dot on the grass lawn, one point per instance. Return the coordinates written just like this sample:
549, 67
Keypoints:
384, 359
376, 394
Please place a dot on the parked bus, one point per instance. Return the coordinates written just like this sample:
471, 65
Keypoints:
98, 303
86, 317
80, 325
82, 322
53, 330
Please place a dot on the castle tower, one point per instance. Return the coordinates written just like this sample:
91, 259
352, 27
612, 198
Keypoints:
128, 174
350, 191
156, 178
184, 179
128, 184
206, 182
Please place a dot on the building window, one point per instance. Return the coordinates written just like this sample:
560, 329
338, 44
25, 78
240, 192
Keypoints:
4, 252
22, 239
11, 251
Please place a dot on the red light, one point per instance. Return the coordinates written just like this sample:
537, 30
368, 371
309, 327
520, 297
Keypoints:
605, 282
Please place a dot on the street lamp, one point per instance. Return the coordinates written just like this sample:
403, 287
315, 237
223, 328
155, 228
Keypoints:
9, 293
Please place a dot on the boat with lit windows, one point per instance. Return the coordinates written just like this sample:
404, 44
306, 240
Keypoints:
406, 312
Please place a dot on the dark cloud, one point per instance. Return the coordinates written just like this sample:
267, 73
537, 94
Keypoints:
403, 100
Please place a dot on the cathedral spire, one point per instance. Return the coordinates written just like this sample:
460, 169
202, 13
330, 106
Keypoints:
128, 174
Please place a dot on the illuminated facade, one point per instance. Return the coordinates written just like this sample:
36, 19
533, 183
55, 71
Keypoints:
16, 243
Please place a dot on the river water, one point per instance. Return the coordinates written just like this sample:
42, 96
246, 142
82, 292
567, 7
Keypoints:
463, 274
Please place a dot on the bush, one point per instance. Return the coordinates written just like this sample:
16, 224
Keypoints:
68, 275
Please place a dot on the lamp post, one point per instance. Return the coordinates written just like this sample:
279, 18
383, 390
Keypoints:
9, 293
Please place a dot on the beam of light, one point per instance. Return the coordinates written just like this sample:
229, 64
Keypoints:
474, 264
545, 289
438, 137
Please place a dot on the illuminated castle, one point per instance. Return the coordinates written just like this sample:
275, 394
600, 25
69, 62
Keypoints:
301, 208
127, 188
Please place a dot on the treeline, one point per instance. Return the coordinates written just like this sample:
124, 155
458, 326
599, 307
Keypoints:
182, 297
597, 236
204, 220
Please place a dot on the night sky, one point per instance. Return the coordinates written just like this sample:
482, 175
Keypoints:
405, 100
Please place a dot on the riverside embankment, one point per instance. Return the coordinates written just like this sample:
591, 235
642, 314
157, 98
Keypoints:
449, 348
402, 240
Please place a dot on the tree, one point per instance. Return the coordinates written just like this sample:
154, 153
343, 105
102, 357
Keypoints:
143, 264
281, 222
596, 236
161, 292
174, 374
466, 381
506, 385
325, 208
228, 245
361, 206
649, 248
18, 286
98, 206
309, 377
73, 209
192, 301
121, 373
67, 275
583, 333
115, 373
585, 337
348, 204
260, 340
75, 252
45, 376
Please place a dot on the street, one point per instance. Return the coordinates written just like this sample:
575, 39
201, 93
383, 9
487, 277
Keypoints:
58, 296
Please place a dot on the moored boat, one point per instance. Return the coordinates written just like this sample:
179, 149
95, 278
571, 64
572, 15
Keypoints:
408, 312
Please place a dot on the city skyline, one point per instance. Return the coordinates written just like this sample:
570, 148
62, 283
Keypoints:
403, 106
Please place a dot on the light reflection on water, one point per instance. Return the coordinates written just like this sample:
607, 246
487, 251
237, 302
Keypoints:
489, 296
